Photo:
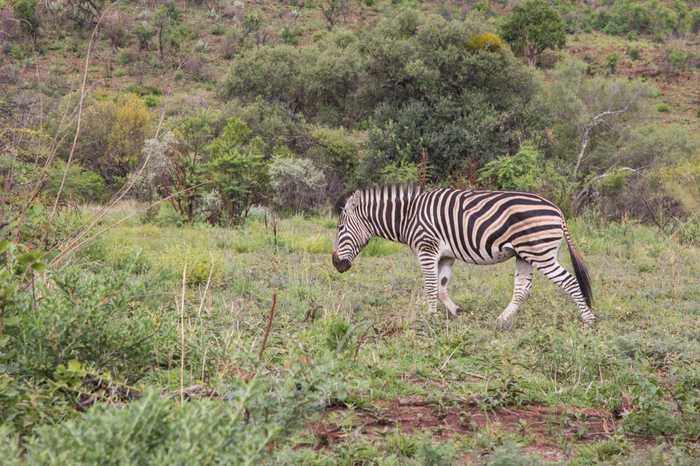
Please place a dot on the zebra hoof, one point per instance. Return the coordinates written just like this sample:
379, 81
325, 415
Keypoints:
504, 324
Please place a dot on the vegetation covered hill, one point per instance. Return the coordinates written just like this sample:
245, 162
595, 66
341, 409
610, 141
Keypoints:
167, 169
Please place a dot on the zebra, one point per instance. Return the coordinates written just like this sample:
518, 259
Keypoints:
479, 227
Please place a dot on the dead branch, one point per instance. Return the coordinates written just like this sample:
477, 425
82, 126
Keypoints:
271, 316
80, 114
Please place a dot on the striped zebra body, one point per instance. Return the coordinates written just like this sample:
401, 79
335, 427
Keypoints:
477, 227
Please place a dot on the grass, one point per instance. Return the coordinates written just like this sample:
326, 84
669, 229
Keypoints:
369, 331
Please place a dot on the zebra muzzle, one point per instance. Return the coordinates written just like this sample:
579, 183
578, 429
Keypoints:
341, 265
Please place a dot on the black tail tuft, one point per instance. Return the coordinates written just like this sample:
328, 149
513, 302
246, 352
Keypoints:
581, 272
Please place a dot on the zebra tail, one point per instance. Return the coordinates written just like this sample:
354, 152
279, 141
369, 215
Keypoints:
580, 270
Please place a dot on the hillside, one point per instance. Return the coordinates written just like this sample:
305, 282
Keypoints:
176, 175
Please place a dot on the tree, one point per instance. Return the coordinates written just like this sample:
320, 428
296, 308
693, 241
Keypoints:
297, 184
165, 20
25, 12
237, 169
112, 136
532, 28
332, 10
591, 117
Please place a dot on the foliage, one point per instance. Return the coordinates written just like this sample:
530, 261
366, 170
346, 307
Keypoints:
100, 332
335, 151
111, 136
519, 172
452, 100
165, 21
237, 169
81, 185
154, 430
399, 173
297, 184
533, 27
26, 12
591, 117
648, 17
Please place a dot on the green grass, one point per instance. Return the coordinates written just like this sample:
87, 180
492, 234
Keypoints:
372, 323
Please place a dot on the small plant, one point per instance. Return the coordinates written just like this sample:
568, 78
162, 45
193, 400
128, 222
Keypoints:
519, 171
663, 108
289, 36
611, 62
634, 53
151, 100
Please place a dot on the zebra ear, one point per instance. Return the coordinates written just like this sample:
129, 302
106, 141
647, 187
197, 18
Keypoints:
340, 203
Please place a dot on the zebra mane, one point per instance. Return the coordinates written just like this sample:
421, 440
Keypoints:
406, 188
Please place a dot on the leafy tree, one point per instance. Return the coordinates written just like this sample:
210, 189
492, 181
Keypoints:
332, 10
532, 28
165, 21
237, 169
335, 152
189, 157
591, 117
297, 184
515, 172
417, 82
112, 136
25, 12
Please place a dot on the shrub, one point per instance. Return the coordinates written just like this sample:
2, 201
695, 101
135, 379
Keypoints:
516, 172
115, 27
80, 185
663, 108
694, 20
297, 184
485, 41
26, 12
676, 60
237, 169
399, 173
634, 53
197, 68
532, 27
154, 430
335, 151
111, 136
611, 62
144, 33
92, 318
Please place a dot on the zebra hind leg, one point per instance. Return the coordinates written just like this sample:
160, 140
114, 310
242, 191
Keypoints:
553, 270
444, 274
429, 266
521, 290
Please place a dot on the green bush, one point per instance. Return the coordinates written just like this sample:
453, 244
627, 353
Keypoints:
297, 184
515, 172
611, 62
335, 151
91, 318
533, 27
663, 108
634, 53
154, 430
26, 12
80, 185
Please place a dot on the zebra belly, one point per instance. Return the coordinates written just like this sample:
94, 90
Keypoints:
483, 258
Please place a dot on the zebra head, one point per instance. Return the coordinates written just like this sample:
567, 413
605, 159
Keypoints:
352, 234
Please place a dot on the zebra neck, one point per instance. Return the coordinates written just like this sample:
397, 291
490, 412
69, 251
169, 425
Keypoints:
388, 211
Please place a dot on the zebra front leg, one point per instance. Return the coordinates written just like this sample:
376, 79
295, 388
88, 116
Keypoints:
444, 274
521, 290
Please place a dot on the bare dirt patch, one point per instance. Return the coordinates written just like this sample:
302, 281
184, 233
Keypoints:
545, 426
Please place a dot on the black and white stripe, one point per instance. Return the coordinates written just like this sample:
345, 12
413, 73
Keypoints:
477, 227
